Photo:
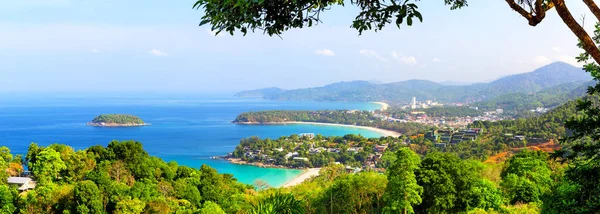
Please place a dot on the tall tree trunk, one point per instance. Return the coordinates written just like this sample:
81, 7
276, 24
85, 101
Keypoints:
593, 7
588, 44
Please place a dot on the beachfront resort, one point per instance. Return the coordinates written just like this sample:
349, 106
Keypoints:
356, 153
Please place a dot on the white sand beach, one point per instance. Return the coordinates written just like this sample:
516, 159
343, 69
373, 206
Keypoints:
383, 132
384, 106
302, 177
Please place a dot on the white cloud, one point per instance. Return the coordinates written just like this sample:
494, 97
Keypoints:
555, 48
95, 50
325, 52
541, 60
157, 52
372, 53
435, 60
409, 60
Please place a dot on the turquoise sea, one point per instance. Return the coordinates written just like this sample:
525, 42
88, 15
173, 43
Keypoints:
188, 129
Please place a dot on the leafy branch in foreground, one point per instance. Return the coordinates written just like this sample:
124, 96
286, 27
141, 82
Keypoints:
274, 17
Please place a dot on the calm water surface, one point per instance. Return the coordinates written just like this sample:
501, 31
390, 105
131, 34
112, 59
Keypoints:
188, 129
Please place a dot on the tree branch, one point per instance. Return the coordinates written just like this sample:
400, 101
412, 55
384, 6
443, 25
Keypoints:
588, 44
538, 9
593, 7
520, 10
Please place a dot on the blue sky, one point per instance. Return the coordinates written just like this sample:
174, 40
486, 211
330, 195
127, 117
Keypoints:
152, 45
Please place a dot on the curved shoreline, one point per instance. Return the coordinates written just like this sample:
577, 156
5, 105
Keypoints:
309, 173
383, 132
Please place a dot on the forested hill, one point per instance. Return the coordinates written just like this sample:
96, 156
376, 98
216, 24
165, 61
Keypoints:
518, 103
549, 125
551, 75
361, 118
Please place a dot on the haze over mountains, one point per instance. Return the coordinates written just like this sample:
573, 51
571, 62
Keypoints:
546, 77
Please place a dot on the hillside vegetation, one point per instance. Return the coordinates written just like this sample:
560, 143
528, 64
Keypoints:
117, 119
551, 75
360, 118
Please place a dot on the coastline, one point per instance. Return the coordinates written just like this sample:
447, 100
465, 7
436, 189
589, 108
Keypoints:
257, 164
302, 177
383, 132
306, 173
116, 124
384, 106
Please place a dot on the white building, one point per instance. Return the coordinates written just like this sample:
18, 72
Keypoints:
414, 103
22, 183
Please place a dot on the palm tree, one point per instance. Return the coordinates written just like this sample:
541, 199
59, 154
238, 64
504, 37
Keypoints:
278, 203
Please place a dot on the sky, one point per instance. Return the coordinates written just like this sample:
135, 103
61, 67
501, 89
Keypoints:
157, 46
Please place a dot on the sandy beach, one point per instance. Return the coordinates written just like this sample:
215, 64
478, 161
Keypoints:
384, 106
383, 132
302, 177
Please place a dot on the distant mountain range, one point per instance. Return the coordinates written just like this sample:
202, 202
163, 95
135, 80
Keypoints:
546, 77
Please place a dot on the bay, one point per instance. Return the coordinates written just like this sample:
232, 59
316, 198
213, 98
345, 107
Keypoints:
188, 129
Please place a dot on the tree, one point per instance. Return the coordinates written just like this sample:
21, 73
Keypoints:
134, 206
7, 199
47, 166
269, 16
526, 176
211, 208
278, 203
87, 198
261, 185
355, 193
447, 183
402, 191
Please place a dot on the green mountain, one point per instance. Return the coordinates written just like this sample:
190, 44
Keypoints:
546, 77
516, 103
259, 93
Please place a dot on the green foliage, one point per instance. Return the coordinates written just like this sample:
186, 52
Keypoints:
448, 184
351, 150
118, 119
268, 16
47, 166
354, 193
361, 118
7, 199
520, 104
579, 192
278, 203
547, 126
402, 191
526, 176
134, 206
486, 195
211, 208
123, 178
87, 197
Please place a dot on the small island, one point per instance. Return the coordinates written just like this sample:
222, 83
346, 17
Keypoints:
117, 120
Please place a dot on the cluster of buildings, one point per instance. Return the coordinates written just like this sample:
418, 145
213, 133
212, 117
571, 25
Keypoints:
301, 155
414, 104
448, 136
423, 118
539, 110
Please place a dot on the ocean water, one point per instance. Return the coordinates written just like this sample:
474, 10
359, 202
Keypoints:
188, 129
